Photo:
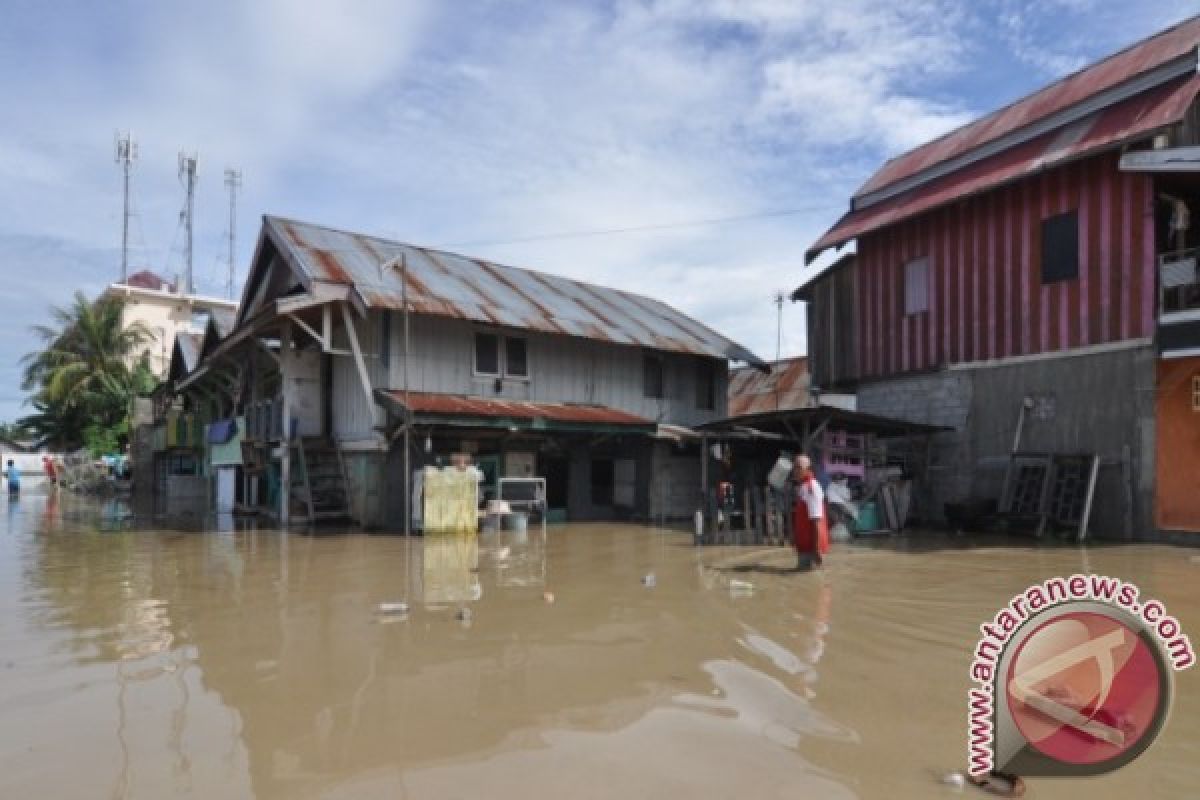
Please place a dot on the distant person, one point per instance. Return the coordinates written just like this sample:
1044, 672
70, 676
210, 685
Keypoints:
810, 530
51, 473
14, 478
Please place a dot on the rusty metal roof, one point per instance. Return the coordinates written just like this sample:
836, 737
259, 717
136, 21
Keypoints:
752, 391
223, 319
1134, 119
184, 354
457, 405
1141, 58
451, 285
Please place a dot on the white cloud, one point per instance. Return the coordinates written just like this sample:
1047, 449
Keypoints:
448, 123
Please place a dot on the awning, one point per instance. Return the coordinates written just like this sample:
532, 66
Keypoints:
483, 412
1108, 128
791, 422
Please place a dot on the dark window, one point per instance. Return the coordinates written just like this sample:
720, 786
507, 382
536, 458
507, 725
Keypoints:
1060, 247
706, 385
652, 376
602, 481
515, 363
487, 354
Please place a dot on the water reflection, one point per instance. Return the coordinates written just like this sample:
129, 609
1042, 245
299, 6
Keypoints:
246, 663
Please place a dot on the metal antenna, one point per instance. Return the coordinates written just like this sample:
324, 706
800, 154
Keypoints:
125, 155
187, 173
233, 181
778, 324
778, 340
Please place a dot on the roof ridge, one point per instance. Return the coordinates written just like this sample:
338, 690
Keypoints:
996, 112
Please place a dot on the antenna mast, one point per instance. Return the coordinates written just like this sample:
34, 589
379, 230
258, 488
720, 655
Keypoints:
778, 324
233, 180
187, 173
125, 155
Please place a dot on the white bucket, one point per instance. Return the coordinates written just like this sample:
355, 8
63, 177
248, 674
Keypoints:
779, 473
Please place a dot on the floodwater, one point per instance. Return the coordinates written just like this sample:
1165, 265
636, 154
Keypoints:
238, 664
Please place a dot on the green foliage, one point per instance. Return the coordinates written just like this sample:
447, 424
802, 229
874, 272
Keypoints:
85, 377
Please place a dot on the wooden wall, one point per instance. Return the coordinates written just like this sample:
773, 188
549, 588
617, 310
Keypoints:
562, 370
987, 299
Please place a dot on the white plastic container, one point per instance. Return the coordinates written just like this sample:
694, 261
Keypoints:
779, 473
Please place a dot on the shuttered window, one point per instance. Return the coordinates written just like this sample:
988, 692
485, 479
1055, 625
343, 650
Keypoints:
1060, 247
916, 286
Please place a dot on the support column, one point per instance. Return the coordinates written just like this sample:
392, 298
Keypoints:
285, 460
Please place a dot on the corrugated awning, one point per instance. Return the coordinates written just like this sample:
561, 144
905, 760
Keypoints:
1135, 118
455, 409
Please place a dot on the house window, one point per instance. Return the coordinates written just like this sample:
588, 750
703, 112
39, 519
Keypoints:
1196, 393
1060, 247
916, 286
516, 365
706, 385
487, 354
652, 376
492, 360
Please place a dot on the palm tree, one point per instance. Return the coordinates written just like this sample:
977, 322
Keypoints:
86, 374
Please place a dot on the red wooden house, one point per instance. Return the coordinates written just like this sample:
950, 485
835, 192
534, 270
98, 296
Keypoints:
1041, 257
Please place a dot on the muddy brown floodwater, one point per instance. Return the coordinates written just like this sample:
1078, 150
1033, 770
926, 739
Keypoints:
154, 664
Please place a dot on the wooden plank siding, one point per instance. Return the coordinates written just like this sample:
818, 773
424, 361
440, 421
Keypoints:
986, 296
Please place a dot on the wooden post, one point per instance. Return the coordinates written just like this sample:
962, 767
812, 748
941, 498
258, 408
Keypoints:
285, 462
704, 476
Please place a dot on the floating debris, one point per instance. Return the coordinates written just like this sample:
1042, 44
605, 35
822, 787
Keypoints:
954, 779
393, 608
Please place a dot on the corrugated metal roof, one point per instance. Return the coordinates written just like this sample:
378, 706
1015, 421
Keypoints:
187, 347
1133, 119
752, 391
456, 405
224, 320
1139, 58
452, 285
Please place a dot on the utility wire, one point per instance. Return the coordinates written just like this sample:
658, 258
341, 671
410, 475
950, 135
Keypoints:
698, 223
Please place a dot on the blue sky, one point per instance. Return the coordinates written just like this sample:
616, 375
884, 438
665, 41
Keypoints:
473, 124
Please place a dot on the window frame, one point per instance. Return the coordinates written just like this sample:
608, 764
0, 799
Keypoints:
502, 371
495, 337
910, 270
1059, 274
524, 340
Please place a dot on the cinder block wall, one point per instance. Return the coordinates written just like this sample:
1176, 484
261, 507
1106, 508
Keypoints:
942, 398
1098, 403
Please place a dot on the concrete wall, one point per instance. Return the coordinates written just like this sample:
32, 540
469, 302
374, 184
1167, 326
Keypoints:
164, 315
1098, 402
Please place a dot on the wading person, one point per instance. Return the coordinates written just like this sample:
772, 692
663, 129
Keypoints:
14, 478
810, 532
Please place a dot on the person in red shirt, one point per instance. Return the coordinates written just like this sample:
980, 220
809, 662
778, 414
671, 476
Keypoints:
51, 473
810, 531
